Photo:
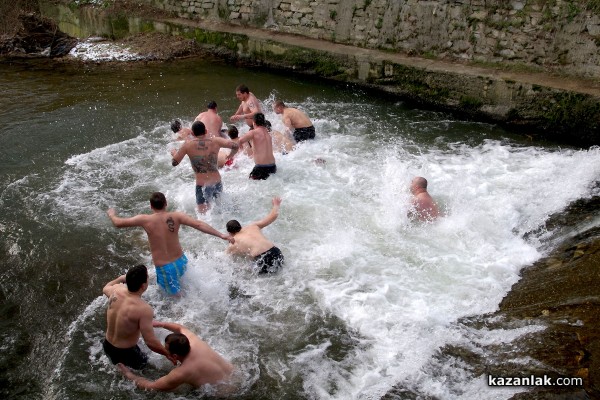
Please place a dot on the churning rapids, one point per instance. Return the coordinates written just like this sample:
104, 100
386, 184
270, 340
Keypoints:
366, 297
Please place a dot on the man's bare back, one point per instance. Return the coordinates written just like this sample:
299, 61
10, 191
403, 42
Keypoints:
200, 364
212, 120
262, 145
125, 311
425, 208
250, 242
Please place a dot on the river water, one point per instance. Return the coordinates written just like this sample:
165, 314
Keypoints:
366, 298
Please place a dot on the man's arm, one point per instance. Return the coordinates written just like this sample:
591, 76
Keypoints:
170, 326
147, 332
230, 144
239, 111
246, 138
165, 384
110, 286
203, 227
272, 216
178, 155
119, 222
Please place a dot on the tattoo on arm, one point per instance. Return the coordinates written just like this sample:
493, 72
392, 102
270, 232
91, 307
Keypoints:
171, 224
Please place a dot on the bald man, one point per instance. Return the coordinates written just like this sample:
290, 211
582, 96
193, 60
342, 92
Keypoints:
424, 207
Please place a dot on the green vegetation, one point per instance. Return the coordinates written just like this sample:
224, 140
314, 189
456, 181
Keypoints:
333, 14
470, 103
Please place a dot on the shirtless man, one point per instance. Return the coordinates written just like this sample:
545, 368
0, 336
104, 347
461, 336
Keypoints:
162, 228
262, 147
425, 208
249, 105
249, 241
203, 152
233, 134
181, 132
281, 142
212, 120
296, 121
128, 317
200, 364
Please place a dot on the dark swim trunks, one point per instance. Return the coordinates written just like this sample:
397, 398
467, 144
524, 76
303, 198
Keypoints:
262, 172
133, 357
270, 261
205, 194
301, 134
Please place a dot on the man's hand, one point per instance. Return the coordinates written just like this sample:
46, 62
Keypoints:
126, 371
229, 238
276, 201
173, 152
111, 212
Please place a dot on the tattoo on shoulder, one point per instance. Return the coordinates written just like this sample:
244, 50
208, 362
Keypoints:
171, 224
111, 300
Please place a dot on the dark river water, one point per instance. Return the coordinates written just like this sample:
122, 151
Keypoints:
366, 297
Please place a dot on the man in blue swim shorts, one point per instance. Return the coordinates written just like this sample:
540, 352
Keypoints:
162, 228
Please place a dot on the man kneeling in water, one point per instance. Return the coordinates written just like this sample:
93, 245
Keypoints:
200, 364
249, 241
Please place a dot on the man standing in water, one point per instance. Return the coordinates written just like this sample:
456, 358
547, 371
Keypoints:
249, 241
425, 208
296, 121
127, 317
162, 228
249, 105
203, 152
200, 364
212, 120
262, 148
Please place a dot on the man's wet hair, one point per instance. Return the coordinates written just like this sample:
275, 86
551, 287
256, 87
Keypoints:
242, 89
212, 105
198, 128
232, 131
279, 103
178, 344
136, 277
259, 119
268, 125
233, 226
158, 201
176, 126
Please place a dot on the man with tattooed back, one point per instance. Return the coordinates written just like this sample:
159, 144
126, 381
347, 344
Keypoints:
162, 228
127, 317
203, 152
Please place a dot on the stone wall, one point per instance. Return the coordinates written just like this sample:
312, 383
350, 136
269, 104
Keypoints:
533, 34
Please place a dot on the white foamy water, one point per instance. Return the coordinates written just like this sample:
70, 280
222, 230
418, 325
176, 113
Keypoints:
366, 297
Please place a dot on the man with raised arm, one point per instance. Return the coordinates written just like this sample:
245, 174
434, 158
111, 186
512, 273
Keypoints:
250, 241
424, 208
162, 228
262, 148
249, 105
128, 317
200, 364
212, 120
203, 152
296, 121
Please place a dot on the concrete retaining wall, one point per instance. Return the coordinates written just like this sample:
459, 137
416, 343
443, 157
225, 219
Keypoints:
539, 34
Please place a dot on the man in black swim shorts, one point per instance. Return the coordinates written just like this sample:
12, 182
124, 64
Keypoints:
128, 317
296, 121
249, 241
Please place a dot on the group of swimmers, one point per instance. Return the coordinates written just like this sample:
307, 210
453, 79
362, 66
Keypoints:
129, 316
